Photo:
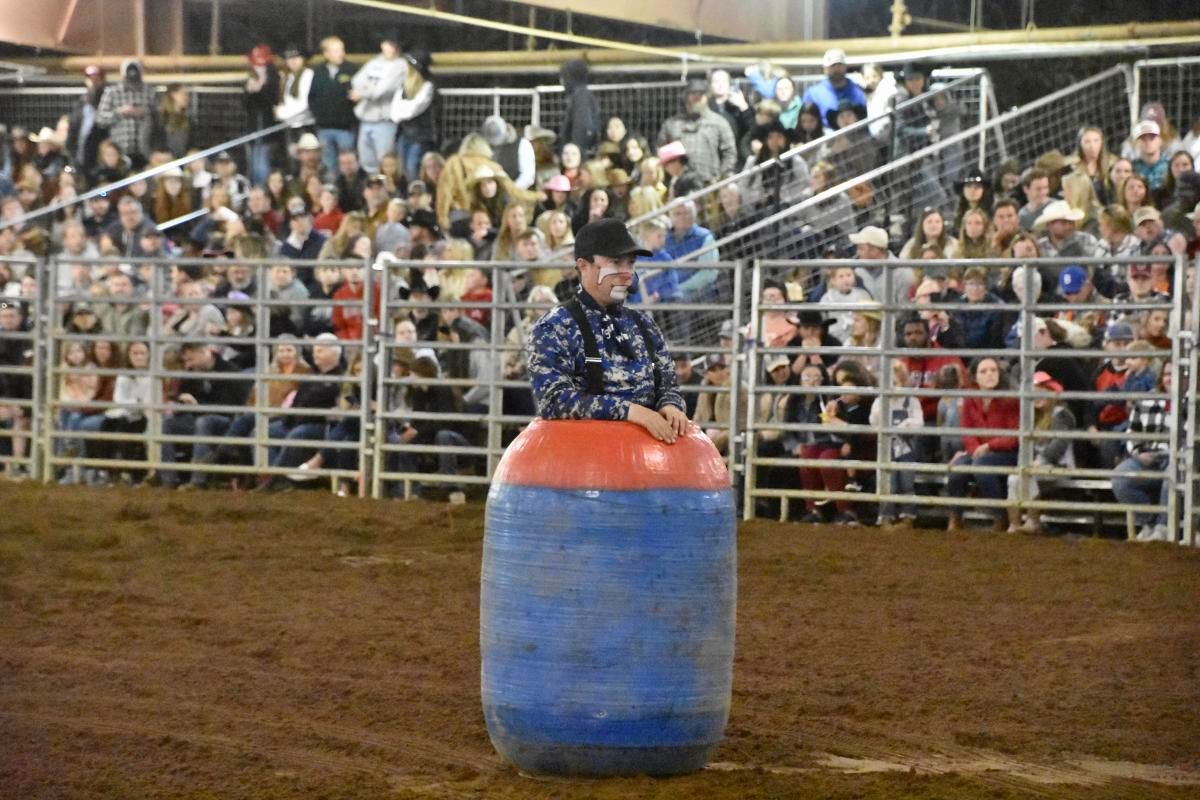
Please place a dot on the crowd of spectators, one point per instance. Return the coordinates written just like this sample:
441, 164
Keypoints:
362, 174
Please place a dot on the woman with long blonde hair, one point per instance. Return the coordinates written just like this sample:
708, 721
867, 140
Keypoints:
513, 222
414, 109
338, 247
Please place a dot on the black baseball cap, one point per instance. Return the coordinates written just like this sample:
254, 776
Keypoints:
606, 237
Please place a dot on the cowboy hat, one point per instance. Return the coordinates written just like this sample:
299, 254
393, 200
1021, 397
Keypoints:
1058, 210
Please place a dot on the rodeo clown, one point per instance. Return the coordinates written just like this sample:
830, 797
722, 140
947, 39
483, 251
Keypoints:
595, 359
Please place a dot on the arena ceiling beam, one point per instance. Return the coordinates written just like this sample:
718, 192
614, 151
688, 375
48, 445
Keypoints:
1042, 42
755, 20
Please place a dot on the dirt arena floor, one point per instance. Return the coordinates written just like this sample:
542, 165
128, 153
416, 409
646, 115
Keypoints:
220, 645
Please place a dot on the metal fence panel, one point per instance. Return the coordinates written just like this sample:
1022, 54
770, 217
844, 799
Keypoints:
1174, 82
21, 367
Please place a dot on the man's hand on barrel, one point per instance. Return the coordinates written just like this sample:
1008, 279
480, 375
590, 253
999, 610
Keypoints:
656, 424
676, 418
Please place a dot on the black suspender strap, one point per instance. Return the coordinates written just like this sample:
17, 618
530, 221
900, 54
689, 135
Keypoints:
650, 350
593, 366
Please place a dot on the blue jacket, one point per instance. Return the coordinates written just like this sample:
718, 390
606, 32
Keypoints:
827, 98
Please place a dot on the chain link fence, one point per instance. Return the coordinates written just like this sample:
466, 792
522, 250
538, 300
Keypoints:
1174, 82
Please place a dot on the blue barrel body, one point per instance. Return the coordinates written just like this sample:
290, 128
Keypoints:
608, 609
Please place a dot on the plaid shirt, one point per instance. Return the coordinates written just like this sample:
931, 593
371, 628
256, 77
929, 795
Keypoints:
131, 134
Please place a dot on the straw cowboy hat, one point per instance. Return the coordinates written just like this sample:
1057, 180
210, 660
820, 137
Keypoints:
1059, 209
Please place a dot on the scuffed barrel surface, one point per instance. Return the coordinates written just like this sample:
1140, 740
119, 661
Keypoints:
608, 601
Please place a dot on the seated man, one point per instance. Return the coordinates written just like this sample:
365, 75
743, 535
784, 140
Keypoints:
199, 392
592, 358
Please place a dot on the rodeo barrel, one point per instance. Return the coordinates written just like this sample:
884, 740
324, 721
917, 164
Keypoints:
608, 601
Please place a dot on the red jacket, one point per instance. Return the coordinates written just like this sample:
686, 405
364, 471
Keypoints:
347, 319
1003, 412
922, 374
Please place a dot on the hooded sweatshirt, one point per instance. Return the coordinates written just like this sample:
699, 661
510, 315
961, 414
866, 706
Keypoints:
377, 83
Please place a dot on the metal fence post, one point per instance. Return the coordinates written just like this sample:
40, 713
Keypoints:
382, 374
1177, 399
1192, 425
750, 478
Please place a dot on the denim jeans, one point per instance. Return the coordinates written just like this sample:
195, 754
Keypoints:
1129, 487
293, 455
334, 140
260, 162
447, 461
208, 425
375, 140
903, 482
187, 425
991, 485
409, 151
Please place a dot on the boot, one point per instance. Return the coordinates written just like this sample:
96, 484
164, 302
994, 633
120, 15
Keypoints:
1033, 523
954, 522
999, 524
1014, 519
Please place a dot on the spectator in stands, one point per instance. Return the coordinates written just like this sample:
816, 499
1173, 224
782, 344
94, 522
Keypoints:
375, 200
261, 95
302, 242
515, 221
1121, 169
1185, 195
1076, 287
842, 289
125, 234
285, 286
676, 163
471, 165
304, 431
1154, 326
1134, 193
594, 204
727, 100
372, 90
1153, 455
687, 376
1050, 340
975, 239
1110, 415
849, 408
197, 393
790, 107
851, 152
1061, 239
581, 124
1037, 195
1140, 281
295, 83
84, 133
1148, 227
15, 351
512, 152
905, 412
123, 315
1093, 160
350, 182
127, 110
133, 390
1151, 162
714, 408
99, 215
985, 450
931, 229
880, 89
392, 236
330, 103
423, 398
414, 110
1049, 414
1116, 240
473, 364
983, 329
170, 200
923, 373
836, 86
309, 165
974, 193
685, 238
228, 178
329, 216
708, 140
871, 244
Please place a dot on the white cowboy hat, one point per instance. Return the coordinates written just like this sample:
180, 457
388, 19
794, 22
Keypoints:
1059, 209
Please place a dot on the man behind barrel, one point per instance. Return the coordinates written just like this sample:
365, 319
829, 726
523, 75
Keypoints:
595, 359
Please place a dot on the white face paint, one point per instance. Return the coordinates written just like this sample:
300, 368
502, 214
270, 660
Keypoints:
619, 291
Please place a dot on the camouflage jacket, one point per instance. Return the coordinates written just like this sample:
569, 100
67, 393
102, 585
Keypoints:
556, 364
